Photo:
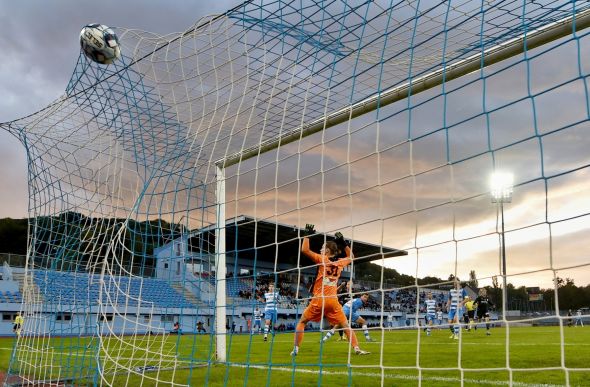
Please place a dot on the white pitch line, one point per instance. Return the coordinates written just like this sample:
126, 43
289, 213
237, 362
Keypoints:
424, 342
451, 342
365, 374
405, 377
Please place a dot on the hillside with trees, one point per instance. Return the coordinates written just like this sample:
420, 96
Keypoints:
72, 241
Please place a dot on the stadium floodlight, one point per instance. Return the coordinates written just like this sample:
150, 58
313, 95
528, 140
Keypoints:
501, 184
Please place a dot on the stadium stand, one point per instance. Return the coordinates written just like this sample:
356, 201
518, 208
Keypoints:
10, 297
83, 288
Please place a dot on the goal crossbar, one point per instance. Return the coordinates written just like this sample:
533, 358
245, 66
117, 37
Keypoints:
503, 51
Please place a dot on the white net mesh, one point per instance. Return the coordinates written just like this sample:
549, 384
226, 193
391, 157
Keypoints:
311, 110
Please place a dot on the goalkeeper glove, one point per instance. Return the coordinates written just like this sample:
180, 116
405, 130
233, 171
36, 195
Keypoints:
309, 230
340, 241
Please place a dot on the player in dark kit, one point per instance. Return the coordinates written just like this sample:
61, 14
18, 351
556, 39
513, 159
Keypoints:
343, 292
483, 308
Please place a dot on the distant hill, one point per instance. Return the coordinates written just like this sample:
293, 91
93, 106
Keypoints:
74, 239
13, 235
70, 240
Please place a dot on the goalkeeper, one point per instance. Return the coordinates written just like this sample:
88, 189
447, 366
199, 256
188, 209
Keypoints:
324, 302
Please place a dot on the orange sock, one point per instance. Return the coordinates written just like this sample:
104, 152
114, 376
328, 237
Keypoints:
352, 337
299, 333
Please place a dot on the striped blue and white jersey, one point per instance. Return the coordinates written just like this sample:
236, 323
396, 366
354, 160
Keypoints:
430, 306
354, 305
257, 315
271, 300
456, 296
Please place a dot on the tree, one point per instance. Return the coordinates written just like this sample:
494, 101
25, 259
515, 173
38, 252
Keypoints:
497, 299
430, 281
13, 235
559, 282
473, 279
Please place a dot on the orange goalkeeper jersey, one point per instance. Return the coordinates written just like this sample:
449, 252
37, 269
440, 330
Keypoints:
326, 282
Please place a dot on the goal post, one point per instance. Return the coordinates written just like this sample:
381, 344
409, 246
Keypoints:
220, 272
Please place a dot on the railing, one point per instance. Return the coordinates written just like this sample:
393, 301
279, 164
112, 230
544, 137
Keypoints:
14, 260
200, 287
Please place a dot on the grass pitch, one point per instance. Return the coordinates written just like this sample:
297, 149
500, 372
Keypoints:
535, 357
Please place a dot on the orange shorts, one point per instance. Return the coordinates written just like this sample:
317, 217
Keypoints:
332, 310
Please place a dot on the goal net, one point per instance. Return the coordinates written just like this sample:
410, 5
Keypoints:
170, 190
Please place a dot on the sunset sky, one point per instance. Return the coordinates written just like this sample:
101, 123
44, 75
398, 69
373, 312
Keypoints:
454, 229
40, 45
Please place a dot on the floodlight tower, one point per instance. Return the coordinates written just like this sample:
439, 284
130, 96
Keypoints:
501, 184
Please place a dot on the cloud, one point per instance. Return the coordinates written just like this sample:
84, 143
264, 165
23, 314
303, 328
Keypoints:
365, 177
40, 47
40, 43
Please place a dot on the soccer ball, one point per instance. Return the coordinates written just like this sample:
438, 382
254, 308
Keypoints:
100, 43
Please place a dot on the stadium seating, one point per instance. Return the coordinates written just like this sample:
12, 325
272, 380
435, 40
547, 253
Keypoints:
83, 288
243, 292
234, 285
11, 297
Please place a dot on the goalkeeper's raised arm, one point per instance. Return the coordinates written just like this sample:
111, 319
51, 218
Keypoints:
336, 247
305, 249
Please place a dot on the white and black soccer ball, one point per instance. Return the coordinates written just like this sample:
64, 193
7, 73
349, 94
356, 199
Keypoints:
100, 43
